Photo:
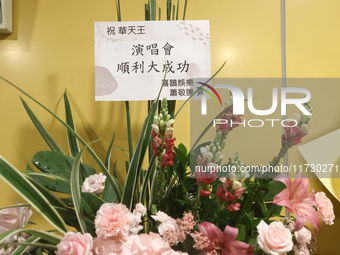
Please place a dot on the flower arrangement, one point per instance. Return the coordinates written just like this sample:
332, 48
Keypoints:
163, 209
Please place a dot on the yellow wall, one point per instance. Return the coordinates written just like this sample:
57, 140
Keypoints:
52, 48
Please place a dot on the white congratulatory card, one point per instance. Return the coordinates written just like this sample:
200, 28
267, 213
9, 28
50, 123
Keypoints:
132, 59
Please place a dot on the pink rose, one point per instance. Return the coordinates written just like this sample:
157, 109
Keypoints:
325, 208
303, 236
274, 238
75, 244
94, 184
113, 221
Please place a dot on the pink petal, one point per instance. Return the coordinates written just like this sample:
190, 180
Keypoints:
285, 179
306, 212
283, 199
300, 188
230, 233
213, 233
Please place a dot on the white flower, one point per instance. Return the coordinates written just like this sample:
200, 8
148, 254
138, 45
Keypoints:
236, 185
232, 176
160, 216
155, 127
168, 131
140, 208
170, 122
94, 183
169, 226
206, 154
301, 250
303, 236
244, 175
304, 128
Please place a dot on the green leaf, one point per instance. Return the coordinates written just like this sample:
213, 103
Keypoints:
93, 202
185, 9
31, 194
137, 159
51, 176
241, 232
53, 199
22, 248
182, 157
113, 181
72, 140
42, 130
109, 195
149, 173
85, 169
128, 124
75, 191
15, 206
108, 153
275, 187
44, 235
186, 101
54, 163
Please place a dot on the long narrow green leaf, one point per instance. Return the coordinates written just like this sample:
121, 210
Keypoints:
147, 14
119, 13
186, 101
75, 191
131, 180
145, 182
53, 199
72, 140
44, 235
25, 244
113, 181
128, 124
22, 247
153, 189
31, 194
15, 206
168, 9
108, 153
177, 10
53, 176
153, 9
185, 9
42, 130
137, 159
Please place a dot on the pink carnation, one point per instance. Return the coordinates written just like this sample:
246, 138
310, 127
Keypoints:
75, 244
325, 208
113, 221
94, 183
